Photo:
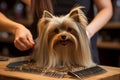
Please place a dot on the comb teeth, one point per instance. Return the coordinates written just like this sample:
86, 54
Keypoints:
54, 74
13, 66
50, 74
87, 72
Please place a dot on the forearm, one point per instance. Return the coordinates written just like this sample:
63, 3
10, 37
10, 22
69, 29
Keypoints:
7, 24
99, 21
103, 16
27, 2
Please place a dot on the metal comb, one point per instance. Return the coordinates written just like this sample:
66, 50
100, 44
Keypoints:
87, 72
12, 66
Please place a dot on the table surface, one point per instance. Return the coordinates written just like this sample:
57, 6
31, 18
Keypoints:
111, 71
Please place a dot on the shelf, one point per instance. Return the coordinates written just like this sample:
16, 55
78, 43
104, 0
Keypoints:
10, 39
112, 25
109, 45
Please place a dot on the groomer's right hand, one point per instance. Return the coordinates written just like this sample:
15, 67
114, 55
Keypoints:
23, 38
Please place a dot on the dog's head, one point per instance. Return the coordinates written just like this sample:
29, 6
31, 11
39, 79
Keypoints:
63, 30
62, 41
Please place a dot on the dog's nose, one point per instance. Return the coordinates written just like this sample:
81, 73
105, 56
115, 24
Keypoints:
63, 36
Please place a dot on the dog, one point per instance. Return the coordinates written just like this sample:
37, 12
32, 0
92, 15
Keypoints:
62, 42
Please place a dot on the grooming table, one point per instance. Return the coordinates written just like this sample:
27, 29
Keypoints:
112, 73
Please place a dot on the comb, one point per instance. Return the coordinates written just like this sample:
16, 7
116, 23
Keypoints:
13, 67
87, 72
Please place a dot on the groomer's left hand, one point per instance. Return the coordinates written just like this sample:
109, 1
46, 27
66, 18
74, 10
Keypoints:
23, 38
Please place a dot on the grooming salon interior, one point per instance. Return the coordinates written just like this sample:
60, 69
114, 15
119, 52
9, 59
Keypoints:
108, 41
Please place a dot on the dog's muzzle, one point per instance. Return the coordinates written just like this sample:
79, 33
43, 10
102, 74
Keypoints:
64, 40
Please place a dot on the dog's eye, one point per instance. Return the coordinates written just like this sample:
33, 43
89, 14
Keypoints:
69, 29
56, 31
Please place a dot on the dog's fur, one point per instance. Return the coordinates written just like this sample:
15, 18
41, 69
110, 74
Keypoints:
62, 41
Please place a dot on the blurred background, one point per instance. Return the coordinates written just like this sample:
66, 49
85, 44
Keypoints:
108, 41
17, 11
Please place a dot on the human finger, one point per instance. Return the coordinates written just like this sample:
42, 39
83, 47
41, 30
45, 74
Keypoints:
20, 45
30, 39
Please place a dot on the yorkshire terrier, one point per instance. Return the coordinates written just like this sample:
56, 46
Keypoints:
62, 42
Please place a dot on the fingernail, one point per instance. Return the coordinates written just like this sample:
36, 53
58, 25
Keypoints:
33, 42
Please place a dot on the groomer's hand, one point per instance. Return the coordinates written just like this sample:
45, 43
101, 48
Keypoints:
23, 38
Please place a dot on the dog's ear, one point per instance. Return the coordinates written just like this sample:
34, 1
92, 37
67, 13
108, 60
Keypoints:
74, 14
78, 15
47, 14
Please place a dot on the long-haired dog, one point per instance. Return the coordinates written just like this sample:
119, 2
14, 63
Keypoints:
62, 42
